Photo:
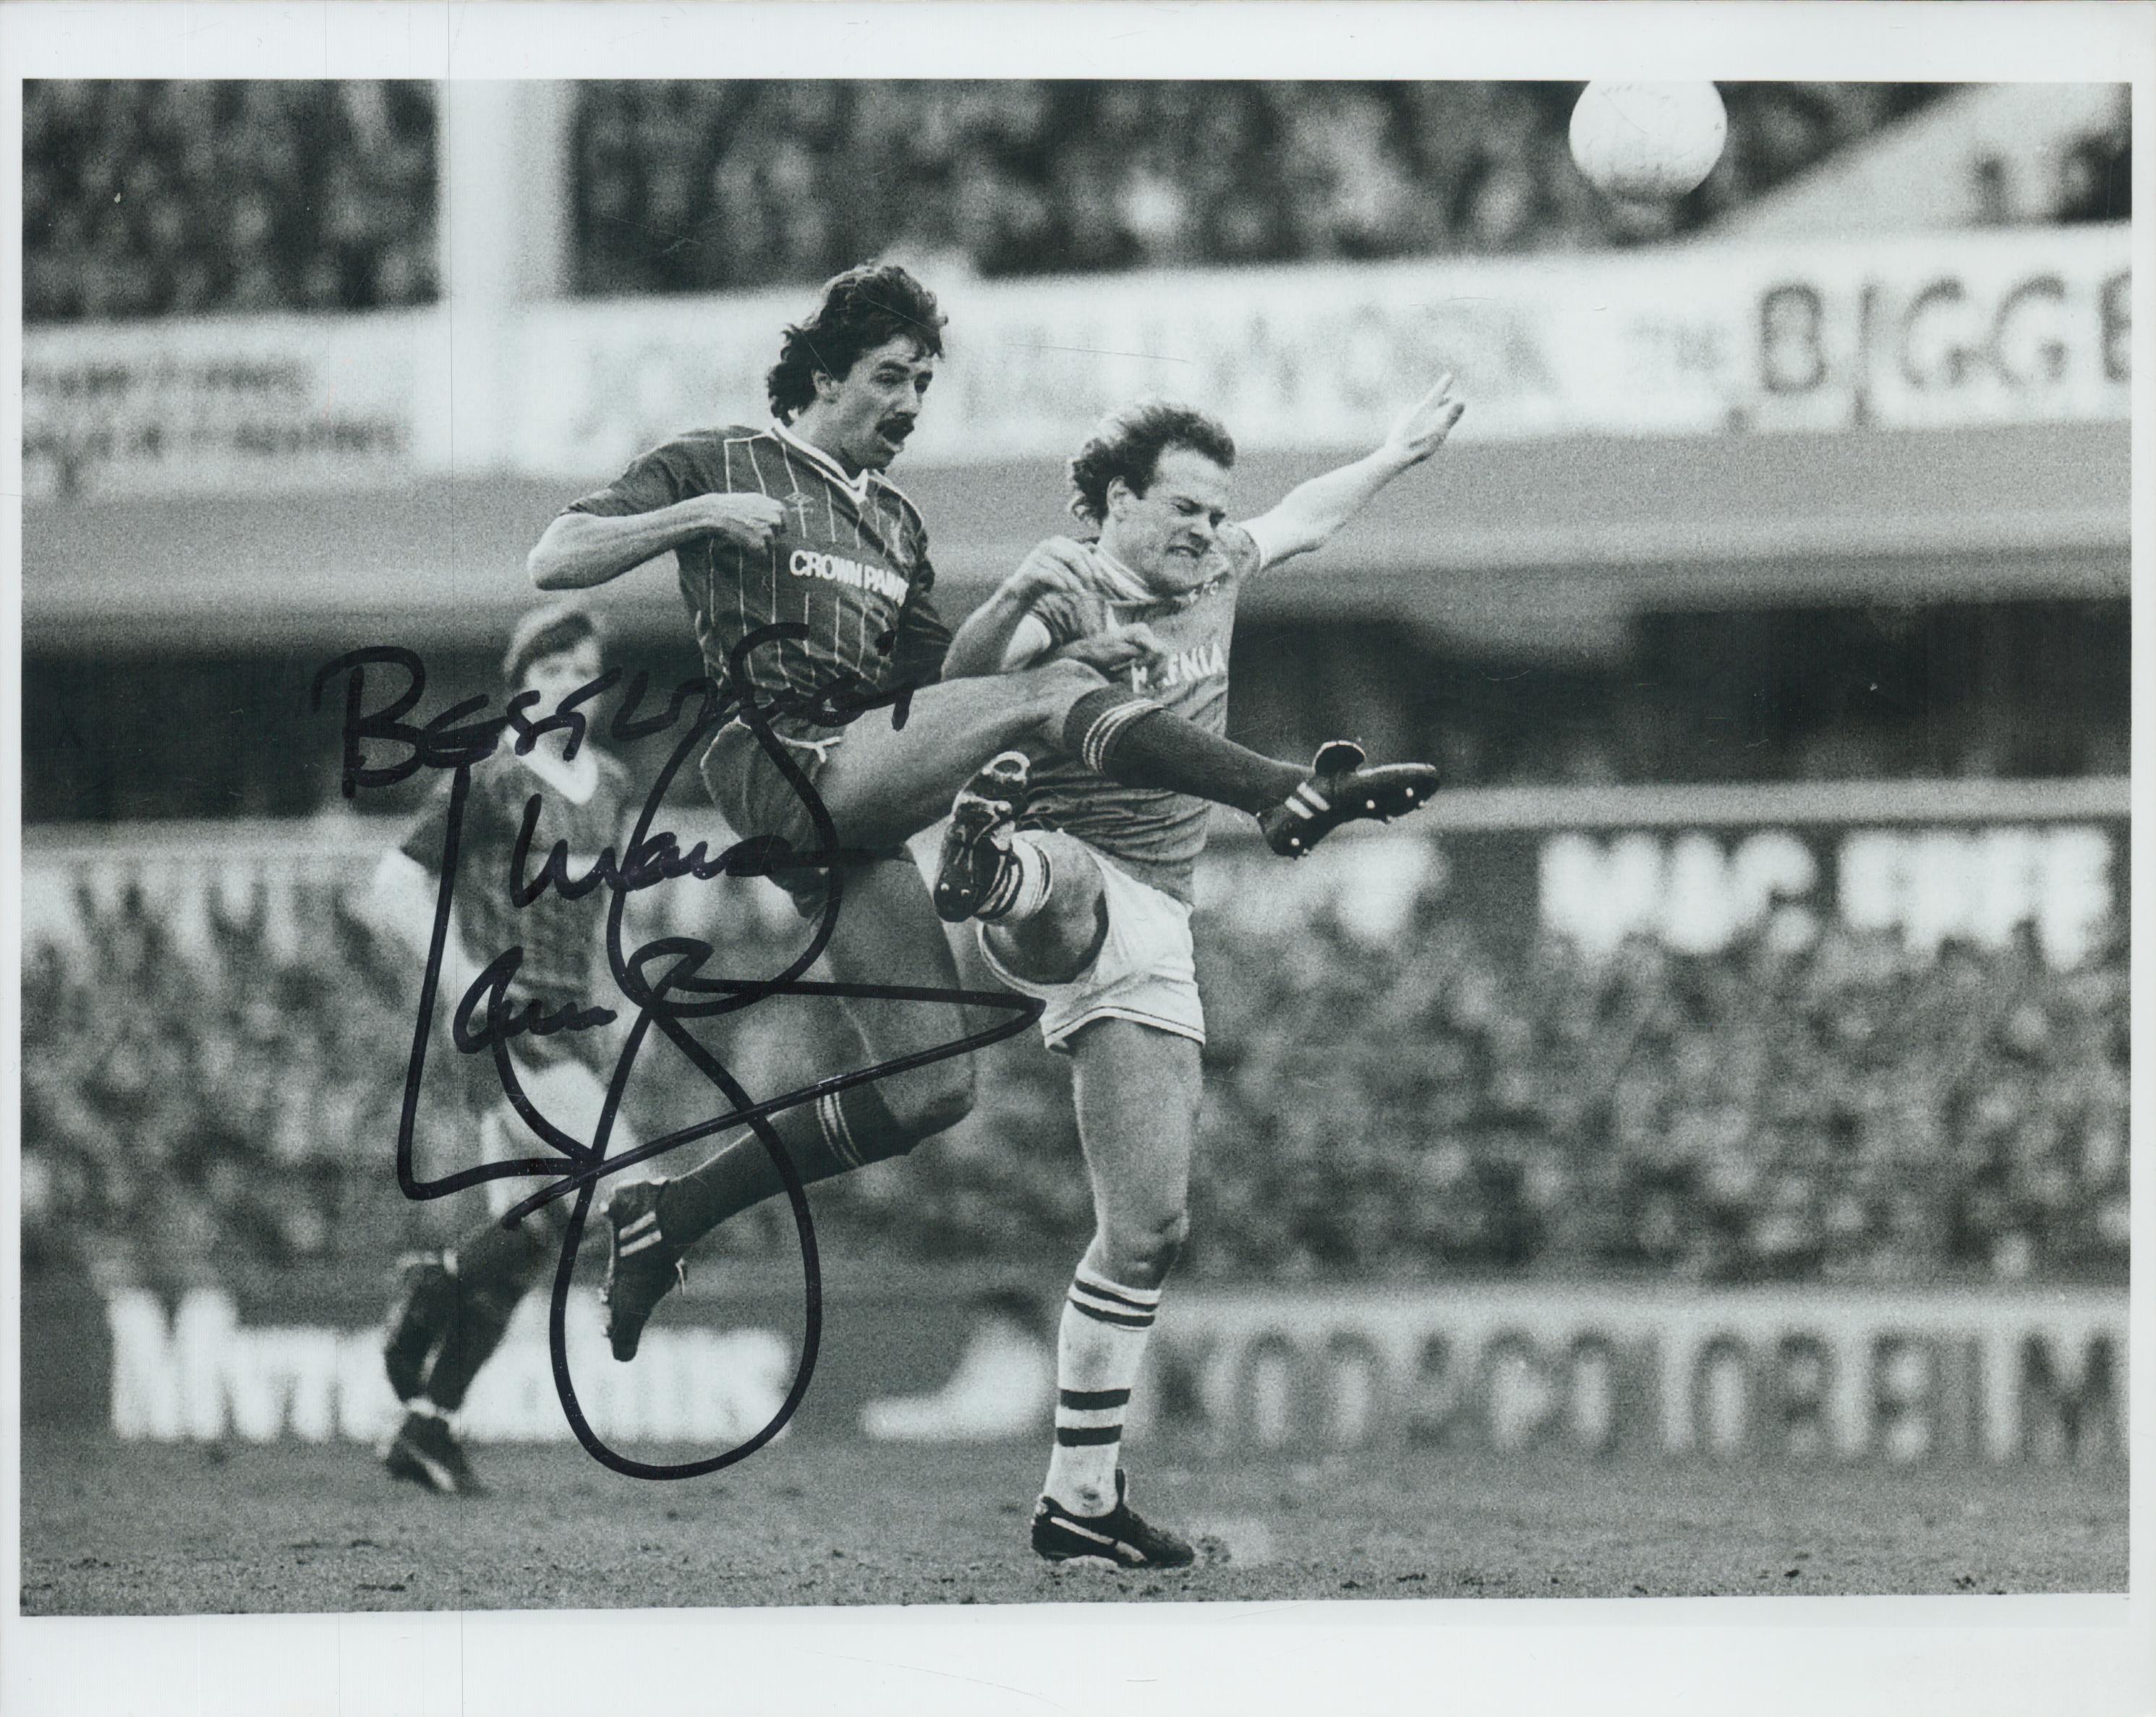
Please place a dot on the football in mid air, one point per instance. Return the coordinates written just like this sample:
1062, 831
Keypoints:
1648, 143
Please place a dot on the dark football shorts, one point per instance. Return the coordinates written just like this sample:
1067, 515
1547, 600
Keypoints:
756, 800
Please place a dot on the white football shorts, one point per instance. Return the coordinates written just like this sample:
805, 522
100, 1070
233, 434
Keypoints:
1144, 971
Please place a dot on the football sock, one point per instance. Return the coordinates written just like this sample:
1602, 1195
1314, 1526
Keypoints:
1098, 1350
834, 1135
494, 1268
1133, 740
1023, 887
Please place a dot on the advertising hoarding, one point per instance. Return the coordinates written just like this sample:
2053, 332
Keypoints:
1666, 1369
1943, 331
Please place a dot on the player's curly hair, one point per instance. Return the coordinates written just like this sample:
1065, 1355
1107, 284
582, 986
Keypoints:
546, 631
862, 309
1128, 444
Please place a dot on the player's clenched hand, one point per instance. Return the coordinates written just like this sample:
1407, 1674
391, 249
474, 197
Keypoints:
1117, 647
1055, 566
1420, 430
746, 521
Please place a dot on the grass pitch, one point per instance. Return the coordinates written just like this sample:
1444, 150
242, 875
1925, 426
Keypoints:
130, 1528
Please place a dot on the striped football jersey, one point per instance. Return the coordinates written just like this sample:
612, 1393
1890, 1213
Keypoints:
561, 938
850, 562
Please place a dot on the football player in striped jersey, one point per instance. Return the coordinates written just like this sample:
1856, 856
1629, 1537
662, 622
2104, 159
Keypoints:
1081, 886
795, 521
452, 1307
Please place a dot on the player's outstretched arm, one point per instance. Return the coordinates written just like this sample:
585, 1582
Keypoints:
1004, 632
581, 549
1312, 511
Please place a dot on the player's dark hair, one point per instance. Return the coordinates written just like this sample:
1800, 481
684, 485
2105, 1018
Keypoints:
546, 631
862, 309
1128, 444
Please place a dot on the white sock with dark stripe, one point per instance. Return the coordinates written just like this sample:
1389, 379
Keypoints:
1099, 1348
1023, 890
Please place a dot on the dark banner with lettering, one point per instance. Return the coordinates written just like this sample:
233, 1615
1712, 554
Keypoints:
2060, 880
1993, 1375
1777, 1374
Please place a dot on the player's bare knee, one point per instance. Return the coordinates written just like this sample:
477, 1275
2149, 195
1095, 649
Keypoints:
1142, 1250
1078, 885
1060, 941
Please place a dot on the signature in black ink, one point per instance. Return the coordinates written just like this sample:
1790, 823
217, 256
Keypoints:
663, 981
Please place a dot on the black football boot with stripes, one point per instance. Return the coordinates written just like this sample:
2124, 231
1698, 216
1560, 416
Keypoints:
643, 1266
425, 1451
1342, 790
1120, 1538
976, 846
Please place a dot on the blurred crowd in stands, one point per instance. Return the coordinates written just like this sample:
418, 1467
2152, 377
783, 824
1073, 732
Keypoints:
188, 1110
143, 198
148, 199
1427, 1105
1842, 1112
688, 186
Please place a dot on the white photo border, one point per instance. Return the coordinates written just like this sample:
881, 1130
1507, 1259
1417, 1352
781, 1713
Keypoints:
1964, 1656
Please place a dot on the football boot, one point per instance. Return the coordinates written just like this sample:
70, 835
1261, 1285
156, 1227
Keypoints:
425, 1451
1121, 1537
977, 843
1342, 789
642, 1266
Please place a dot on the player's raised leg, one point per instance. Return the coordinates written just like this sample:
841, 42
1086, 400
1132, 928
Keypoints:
885, 935
884, 783
1137, 1091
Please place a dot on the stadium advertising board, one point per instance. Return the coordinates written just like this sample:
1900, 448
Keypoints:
1785, 1372
1952, 329
234, 405
303, 1362
1696, 891
1898, 1375
1696, 870
199, 1374
1957, 329
1921, 335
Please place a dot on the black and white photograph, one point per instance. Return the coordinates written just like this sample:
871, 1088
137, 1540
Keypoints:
661, 990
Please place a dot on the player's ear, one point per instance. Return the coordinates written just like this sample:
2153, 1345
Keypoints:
1119, 497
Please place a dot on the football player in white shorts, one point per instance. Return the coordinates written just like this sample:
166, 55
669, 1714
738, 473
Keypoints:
1081, 888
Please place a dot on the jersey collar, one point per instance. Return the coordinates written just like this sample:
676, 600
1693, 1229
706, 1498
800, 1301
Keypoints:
1124, 588
858, 486
1118, 583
